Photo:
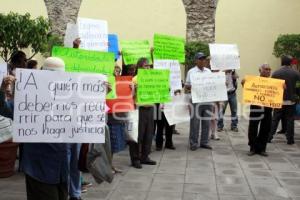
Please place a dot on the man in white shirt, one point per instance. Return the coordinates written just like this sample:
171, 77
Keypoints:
199, 111
231, 84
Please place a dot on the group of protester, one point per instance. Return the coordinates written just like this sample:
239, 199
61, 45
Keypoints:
51, 169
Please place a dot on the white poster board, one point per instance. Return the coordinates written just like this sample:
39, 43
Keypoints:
93, 34
224, 56
70, 35
177, 111
175, 72
3, 71
59, 107
208, 87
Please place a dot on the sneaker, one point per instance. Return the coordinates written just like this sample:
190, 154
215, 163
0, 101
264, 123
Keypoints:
205, 146
215, 137
83, 189
234, 129
148, 162
86, 184
116, 170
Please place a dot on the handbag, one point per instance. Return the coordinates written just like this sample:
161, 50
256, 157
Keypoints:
132, 126
5, 129
99, 160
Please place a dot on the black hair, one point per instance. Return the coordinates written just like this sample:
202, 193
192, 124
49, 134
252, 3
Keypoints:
286, 60
31, 64
17, 56
141, 62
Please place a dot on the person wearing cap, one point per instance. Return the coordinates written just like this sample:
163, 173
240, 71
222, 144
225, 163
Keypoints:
288, 109
261, 117
46, 164
200, 111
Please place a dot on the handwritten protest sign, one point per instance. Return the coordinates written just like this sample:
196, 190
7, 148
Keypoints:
224, 56
177, 111
175, 73
153, 86
208, 87
169, 47
113, 45
263, 91
3, 71
79, 60
52, 106
93, 34
124, 101
70, 35
134, 50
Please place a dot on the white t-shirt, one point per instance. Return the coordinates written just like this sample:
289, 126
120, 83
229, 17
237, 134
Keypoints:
195, 70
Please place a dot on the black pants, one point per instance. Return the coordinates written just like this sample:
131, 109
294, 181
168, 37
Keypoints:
42, 191
283, 124
259, 116
288, 112
161, 125
142, 149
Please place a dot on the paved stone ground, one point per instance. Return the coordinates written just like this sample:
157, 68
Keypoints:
226, 173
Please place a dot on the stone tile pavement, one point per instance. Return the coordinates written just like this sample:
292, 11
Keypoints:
226, 173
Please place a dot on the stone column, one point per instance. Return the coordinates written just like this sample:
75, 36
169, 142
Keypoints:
61, 12
200, 20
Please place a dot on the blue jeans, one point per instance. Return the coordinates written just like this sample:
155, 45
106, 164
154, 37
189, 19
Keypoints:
200, 113
74, 173
233, 109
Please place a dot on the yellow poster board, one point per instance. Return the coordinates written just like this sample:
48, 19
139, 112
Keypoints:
261, 91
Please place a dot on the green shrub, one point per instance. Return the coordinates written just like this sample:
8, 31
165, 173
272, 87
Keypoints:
288, 44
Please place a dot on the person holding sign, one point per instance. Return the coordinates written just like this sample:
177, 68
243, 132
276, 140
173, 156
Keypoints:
259, 116
291, 77
162, 124
145, 129
231, 85
46, 164
200, 112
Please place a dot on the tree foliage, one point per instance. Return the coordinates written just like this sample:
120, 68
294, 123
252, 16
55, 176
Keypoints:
288, 44
18, 32
191, 48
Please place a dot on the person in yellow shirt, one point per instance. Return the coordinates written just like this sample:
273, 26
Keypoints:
139, 152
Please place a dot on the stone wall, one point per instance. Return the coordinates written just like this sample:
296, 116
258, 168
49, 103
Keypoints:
200, 19
61, 12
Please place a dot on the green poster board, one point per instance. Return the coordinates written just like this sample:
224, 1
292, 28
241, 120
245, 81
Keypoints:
79, 60
153, 86
169, 47
133, 50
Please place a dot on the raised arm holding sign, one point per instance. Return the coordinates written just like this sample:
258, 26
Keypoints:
169, 47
